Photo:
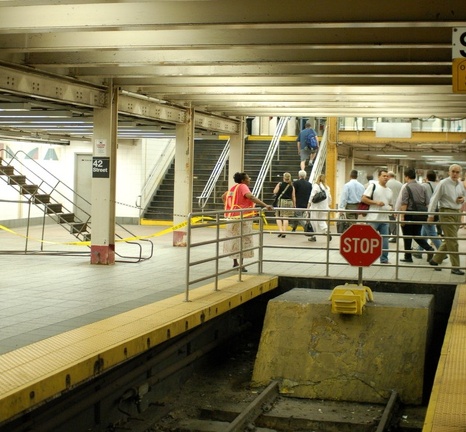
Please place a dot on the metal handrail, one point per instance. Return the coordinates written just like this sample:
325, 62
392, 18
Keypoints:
214, 176
265, 168
320, 158
156, 175
61, 189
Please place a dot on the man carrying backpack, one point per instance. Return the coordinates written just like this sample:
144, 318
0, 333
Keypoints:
308, 144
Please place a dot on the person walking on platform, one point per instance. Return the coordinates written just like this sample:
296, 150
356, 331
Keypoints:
429, 229
449, 197
302, 191
351, 196
286, 198
395, 186
240, 233
382, 200
413, 198
319, 209
304, 151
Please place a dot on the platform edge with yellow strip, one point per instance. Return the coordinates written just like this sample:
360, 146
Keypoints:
446, 408
33, 374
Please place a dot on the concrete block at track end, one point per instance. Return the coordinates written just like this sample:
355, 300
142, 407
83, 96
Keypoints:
317, 354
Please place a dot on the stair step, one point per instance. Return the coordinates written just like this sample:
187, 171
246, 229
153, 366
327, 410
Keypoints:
78, 227
8, 170
66, 218
54, 208
17, 180
29, 189
41, 199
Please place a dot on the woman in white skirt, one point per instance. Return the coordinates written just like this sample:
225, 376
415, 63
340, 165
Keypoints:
240, 197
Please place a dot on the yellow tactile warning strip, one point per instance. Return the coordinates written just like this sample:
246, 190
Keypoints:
447, 405
33, 374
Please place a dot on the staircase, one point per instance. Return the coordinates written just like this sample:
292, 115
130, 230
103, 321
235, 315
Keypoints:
206, 154
41, 193
286, 159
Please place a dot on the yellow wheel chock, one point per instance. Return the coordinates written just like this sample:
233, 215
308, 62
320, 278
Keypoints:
350, 298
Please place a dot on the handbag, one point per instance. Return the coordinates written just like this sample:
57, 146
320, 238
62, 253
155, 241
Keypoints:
364, 206
319, 196
277, 197
342, 224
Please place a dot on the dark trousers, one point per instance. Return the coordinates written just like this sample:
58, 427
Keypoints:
413, 230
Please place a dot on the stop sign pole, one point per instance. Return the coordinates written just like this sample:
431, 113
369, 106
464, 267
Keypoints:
360, 245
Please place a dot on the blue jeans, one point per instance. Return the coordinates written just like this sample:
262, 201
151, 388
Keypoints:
382, 229
430, 230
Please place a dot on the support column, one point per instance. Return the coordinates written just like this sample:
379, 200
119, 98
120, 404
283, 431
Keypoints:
236, 160
332, 153
184, 164
104, 181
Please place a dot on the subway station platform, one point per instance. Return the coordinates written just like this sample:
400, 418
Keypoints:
52, 298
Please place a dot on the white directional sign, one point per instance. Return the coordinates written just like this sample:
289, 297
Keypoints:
459, 60
459, 43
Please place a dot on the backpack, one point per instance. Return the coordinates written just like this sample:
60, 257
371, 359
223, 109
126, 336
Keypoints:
311, 141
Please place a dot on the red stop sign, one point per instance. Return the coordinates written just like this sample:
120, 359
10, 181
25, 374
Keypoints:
361, 245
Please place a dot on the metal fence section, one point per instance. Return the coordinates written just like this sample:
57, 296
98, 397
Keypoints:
296, 256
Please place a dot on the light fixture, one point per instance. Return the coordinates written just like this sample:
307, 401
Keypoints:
35, 114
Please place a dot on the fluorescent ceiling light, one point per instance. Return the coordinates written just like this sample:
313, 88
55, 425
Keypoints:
35, 114
392, 156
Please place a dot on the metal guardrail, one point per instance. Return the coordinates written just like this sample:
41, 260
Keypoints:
204, 256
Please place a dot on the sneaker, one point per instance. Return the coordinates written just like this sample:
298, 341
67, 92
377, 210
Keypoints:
313, 239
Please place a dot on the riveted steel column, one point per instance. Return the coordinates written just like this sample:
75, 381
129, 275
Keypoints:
104, 181
184, 164
332, 153
236, 161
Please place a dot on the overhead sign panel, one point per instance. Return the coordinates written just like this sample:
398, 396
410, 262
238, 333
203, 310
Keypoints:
459, 60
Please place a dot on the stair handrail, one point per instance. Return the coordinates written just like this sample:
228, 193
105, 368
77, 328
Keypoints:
214, 176
266, 165
156, 175
54, 189
42, 184
320, 158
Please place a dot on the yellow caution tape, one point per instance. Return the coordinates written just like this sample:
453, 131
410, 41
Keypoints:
127, 239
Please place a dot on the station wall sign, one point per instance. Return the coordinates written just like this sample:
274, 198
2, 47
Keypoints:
100, 167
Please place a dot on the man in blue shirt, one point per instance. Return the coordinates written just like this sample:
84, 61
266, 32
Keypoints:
304, 152
351, 196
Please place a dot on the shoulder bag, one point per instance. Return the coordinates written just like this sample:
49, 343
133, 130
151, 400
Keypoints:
415, 208
319, 196
276, 201
364, 206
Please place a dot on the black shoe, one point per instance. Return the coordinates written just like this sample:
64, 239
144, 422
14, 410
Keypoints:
457, 272
313, 239
406, 260
279, 235
433, 263
283, 235
293, 229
